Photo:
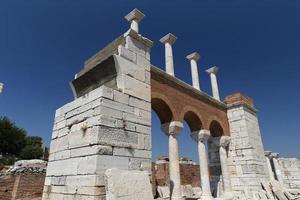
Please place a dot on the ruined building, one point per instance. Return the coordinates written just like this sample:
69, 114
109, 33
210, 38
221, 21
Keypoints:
101, 141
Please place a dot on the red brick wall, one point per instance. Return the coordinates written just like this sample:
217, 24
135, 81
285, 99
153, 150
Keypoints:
30, 186
189, 174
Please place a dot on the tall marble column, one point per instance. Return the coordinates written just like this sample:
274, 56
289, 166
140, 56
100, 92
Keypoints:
134, 17
1, 87
224, 143
269, 166
201, 136
168, 40
277, 169
193, 58
172, 130
214, 83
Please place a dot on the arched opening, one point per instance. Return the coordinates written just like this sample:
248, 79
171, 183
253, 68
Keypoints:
161, 113
189, 168
216, 132
193, 121
162, 110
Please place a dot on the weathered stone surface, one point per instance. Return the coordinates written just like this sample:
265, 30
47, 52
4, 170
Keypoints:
127, 185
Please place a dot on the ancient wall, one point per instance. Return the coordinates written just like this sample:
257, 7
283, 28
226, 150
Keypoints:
22, 187
247, 161
107, 126
290, 172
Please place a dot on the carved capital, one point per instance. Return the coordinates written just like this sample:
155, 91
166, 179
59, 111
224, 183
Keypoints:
224, 141
169, 38
201, 135
172, 128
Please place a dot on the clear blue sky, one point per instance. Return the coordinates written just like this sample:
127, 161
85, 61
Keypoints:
255, 43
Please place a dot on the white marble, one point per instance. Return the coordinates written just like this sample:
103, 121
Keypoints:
201, 136
168, 40
134, 17
193, 58
173, 129
214, 83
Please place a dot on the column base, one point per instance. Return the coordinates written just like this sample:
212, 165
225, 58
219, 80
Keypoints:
228, 196
206, 197
177, 198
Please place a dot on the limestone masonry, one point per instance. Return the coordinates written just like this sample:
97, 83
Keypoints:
101, 144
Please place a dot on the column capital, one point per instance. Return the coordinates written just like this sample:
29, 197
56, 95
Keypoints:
201, 135
275, 155
172, 128
213, 70
169, 38
193, 56
224, 141
268, 153
135, 14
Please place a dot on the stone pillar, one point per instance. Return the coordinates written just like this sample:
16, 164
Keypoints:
193, 58
201, 136
224, 143
268, 155
168, 40
277, 168
172, 130
134, 17
214, 83
1, 87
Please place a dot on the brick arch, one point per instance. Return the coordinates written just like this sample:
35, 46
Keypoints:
162, 107
192, 118
215, 121
216, 129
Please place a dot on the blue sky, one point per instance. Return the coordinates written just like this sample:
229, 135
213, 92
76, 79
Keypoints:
255, 43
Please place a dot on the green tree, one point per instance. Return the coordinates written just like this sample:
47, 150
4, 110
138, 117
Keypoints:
12, 138
33, 148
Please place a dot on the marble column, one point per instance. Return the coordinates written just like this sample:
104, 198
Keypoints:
168, 41
193, 58
277, 169
1, 87
172, 130
214, 83
224, 143
134, 17
201, 136
269, 166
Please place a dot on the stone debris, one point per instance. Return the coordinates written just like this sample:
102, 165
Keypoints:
274, 190
27, 167
127, 185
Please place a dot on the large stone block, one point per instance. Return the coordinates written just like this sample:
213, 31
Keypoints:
127, 185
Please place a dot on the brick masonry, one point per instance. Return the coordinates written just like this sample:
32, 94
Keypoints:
22, 187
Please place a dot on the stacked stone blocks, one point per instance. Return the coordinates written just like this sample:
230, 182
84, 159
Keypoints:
108, 127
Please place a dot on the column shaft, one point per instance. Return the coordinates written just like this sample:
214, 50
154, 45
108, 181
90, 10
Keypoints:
271, 174
225, 171
169, 59
134, 25
278, 171
195, 76
214, 85
174, 168
204, 173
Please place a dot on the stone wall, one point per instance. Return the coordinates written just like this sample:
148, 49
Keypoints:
22, 187
108, 125
290, 172
247, 163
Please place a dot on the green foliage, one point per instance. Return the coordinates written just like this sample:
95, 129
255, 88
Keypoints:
12, 138
15, 144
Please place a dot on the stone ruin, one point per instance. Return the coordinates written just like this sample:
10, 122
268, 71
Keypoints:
101, 144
